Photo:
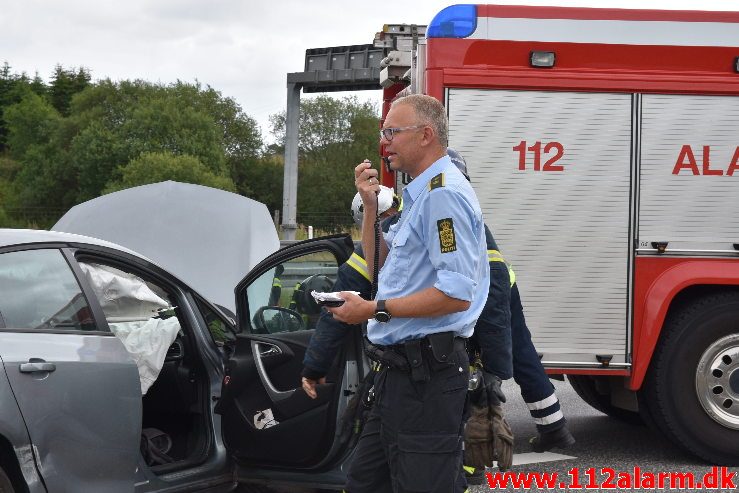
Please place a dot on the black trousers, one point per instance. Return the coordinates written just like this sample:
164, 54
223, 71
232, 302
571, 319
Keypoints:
412, 440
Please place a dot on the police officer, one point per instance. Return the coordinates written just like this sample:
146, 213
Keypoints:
501, 336
432, 263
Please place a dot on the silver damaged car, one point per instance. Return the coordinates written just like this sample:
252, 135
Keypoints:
139, 372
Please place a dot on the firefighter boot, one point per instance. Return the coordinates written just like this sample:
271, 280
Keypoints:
559, 438
474, 476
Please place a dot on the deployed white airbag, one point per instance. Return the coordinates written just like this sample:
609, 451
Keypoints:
123, 295
147, 342
130, 306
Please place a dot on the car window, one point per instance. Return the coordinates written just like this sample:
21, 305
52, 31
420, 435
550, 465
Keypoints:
219, 329
139, 312
39, 291
280, 299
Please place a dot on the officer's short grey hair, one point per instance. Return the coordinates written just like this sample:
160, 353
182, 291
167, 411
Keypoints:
429, 112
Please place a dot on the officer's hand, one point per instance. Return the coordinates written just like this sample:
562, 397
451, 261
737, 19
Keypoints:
493, 388
368, 184
309, 385
355, 310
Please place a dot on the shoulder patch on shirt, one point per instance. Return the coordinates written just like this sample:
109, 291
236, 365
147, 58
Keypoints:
437, 181
447, 241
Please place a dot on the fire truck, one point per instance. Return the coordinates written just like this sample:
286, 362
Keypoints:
603, 145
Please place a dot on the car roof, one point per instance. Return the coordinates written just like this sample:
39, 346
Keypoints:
13, 237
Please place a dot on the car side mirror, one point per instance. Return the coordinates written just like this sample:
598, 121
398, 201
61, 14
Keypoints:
273, 319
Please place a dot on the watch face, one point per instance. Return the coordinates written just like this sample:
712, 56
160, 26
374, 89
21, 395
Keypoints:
382, 317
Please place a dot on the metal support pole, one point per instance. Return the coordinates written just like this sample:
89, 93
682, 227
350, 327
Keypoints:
290, 187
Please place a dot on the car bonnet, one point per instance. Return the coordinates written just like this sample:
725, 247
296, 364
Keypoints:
208, 238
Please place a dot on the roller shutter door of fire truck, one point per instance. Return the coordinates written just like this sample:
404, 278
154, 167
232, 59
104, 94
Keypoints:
689, 175
552, 171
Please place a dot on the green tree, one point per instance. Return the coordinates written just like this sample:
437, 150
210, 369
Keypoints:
43, 185
242, 138
119, 121
73, 140
262, 180
31, 122
153, 167
65, 83
334, 136
14, 87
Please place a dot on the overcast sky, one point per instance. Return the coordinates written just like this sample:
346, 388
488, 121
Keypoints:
242, 48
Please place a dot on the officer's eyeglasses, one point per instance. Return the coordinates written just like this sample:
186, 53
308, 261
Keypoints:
389, 133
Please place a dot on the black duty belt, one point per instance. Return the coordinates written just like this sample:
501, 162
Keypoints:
434, 349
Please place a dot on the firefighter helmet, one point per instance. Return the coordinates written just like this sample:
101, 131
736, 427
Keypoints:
385, 200
458, 161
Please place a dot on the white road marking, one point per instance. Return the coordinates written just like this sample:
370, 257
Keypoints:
534, 458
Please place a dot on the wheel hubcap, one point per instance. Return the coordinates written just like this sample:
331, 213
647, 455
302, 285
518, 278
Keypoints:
717, 381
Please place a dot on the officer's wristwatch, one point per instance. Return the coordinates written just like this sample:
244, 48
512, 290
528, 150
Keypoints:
381, 313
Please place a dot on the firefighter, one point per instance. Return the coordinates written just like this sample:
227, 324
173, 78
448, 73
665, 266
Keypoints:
352, 276
506, 351
276, 292
302, 301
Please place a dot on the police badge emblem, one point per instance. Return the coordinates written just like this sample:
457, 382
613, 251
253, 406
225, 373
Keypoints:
447, 240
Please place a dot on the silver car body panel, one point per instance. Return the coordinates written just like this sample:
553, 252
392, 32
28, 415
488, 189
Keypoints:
14, 430
84, 417
18, 237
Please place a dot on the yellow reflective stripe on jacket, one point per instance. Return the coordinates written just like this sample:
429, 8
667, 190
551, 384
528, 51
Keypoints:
359, 264
276, 283
495, 256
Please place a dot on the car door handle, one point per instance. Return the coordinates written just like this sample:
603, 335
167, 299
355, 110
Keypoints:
258, 349
272, 351
37, 367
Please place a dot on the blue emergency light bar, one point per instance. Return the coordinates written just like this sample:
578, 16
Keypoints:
456, 21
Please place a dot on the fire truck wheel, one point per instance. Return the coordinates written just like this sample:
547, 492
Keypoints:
692, 388
646, 414
587, 387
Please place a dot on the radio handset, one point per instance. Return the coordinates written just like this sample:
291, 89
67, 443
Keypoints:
375, 269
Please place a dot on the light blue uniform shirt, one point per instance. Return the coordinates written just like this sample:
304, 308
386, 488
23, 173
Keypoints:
440, 242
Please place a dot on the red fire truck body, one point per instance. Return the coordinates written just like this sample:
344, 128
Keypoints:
603, 145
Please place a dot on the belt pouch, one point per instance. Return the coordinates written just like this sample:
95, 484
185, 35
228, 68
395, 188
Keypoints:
413, 353
442, 346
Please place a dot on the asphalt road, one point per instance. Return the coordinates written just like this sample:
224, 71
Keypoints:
602, 442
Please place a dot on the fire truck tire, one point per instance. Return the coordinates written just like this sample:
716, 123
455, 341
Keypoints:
646, 414
5, 485
585, 387
692, 388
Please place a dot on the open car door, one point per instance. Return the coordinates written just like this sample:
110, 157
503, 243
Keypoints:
267, 419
